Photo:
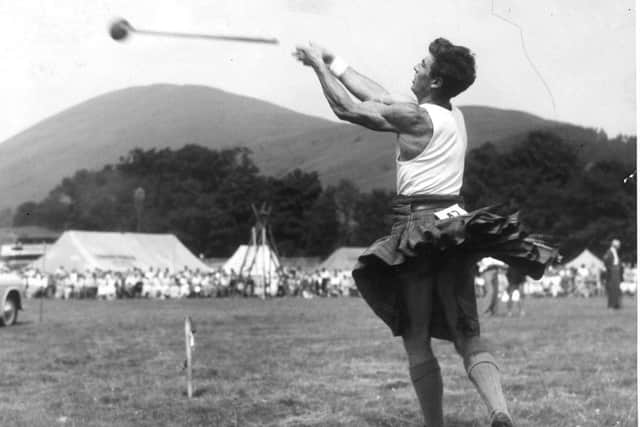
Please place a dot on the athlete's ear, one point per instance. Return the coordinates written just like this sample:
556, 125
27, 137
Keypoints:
436, 82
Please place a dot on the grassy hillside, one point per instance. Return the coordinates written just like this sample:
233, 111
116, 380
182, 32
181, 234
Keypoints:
104, 128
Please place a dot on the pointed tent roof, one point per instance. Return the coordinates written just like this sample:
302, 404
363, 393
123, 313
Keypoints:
588, 259
83, 250
344, 258
253, 260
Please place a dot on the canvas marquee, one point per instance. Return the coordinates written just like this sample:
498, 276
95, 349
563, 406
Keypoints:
589, 260
344, 258
88, 250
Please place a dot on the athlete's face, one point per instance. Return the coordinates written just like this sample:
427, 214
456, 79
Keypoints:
422, 82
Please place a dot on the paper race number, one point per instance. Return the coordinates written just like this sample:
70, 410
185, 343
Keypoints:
450, 212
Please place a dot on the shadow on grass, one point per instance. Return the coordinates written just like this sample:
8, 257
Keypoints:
197, 392
19, 324
454, 421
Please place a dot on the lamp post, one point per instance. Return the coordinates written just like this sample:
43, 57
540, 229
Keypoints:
138, 202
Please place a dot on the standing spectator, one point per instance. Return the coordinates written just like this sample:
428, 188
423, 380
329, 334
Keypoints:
120, 285
185, 285
165, 284
306, 285
29, 283
325, 277
81, 286
147, 283
613, 275
334, 284
224, 282
207, 285
129, 283
91, 285
49, 289
346, 283
492, 286
174, 291
238, 289
196, 283
582, 282
70, 284
101, 282
516, 281
316, 281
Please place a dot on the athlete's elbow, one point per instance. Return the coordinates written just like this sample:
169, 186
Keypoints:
343, 113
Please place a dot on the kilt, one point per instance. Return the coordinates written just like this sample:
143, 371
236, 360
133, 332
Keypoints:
420, 242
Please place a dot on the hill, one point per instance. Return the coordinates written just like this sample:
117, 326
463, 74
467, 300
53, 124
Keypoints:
102, 129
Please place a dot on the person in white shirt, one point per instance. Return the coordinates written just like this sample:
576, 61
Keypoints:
101, 283
130, 282
419, 279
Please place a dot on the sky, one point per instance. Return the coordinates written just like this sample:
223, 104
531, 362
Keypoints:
569, 60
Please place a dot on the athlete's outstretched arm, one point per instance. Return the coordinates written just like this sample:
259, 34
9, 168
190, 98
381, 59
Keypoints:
361, 86
406, 118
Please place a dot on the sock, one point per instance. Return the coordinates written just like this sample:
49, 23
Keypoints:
427, 382
482, 369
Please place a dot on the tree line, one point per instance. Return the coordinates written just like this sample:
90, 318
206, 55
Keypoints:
204, 197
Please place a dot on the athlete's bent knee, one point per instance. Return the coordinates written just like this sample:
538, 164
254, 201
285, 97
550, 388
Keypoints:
474, 349
426, 368
418, 351
479, 358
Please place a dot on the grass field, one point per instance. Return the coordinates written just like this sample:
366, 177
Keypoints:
294, 362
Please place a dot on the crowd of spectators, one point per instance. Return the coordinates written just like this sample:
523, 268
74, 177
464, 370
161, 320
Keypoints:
291, 282
558, 281
186, 283
570, 281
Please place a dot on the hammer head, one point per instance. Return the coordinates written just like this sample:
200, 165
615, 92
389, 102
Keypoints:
119, 29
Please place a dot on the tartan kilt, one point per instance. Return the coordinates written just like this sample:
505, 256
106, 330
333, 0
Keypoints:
422, 243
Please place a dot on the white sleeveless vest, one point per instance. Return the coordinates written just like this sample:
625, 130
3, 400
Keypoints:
439, 168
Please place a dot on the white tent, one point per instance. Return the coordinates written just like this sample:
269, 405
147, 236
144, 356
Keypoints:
253, 260
258, 262
82, 250
587, 258
344, 258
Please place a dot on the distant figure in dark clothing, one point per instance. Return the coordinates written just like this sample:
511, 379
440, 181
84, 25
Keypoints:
613, 275
492, 286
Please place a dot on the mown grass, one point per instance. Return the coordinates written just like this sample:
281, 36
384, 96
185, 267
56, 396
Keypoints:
293, 362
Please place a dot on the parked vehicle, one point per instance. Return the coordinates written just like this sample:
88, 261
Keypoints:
11, 297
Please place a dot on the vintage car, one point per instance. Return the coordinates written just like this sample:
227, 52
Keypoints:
11, 297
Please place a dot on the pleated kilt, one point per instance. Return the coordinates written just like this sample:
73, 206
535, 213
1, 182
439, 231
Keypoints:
421, 243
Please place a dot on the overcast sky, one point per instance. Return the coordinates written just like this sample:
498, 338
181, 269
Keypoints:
55, 54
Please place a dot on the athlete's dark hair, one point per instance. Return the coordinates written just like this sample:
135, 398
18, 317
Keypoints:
454, 64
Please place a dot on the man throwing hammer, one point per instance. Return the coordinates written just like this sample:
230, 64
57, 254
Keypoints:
419, 279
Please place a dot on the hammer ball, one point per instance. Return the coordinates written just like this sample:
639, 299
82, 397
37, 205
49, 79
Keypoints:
119, 29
